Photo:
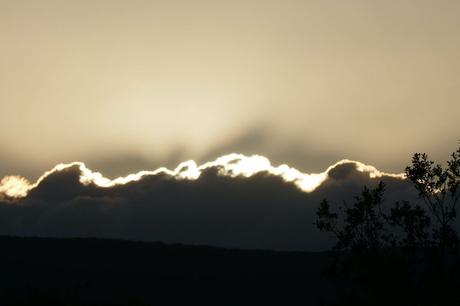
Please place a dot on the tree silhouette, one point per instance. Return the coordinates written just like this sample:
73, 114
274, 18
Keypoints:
363, 225
399, 253
414, 222
439, 189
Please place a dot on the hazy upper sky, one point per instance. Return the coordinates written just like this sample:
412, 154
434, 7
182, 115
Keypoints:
125, 85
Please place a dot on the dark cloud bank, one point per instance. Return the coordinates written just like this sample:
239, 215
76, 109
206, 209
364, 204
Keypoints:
262, 211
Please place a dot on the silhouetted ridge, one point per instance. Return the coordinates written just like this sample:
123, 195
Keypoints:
113, 272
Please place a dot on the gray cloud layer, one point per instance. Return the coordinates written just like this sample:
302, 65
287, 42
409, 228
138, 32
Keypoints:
262, 211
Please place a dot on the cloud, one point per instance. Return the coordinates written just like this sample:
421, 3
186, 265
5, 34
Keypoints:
232, 165
234, 201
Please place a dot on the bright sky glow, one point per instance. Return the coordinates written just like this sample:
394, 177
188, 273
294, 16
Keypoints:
133, 85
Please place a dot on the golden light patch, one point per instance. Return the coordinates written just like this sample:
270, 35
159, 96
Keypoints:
14, 186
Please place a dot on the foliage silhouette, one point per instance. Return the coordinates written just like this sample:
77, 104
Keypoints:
439, 189
366, 225
414, 222
363, 225
380, 245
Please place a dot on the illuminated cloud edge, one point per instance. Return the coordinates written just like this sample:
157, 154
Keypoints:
231, 165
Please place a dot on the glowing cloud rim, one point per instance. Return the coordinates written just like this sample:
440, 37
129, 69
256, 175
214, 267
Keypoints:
231, 165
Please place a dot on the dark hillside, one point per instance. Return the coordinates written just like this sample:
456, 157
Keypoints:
36, 271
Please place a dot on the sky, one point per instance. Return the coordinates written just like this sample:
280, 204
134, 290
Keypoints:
131, 85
